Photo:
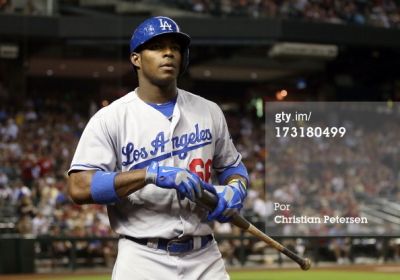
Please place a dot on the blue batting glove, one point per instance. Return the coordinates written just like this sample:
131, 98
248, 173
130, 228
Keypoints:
186, 183
230, 200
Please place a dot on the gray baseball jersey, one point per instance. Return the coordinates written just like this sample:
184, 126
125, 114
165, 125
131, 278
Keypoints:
129, 134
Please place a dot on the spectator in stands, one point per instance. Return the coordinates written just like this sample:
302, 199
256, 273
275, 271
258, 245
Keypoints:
226, 246
340, 247
7, 7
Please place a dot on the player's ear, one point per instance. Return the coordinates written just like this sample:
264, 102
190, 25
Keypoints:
135, 59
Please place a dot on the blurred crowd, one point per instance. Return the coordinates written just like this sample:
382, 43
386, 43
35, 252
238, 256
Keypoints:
37, 143
383, 13
336, 176
27, 7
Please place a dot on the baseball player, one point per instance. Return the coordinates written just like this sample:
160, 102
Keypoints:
149, 154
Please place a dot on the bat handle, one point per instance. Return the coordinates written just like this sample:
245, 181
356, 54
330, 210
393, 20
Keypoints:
207, 200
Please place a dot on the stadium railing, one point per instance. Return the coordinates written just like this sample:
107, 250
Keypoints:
28, 254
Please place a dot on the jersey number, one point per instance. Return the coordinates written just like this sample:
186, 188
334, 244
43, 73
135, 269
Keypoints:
203, 170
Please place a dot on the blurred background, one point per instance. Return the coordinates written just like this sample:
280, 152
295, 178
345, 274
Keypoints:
60, 61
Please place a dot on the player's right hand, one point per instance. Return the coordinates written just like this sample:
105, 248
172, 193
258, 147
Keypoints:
186, 183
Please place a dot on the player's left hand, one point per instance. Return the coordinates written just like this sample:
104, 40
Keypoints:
230, 200
186, 183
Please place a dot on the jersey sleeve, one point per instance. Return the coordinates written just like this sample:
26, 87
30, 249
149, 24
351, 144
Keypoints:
95, 150
226, 155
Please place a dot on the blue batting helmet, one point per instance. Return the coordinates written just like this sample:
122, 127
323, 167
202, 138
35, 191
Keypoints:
157, 26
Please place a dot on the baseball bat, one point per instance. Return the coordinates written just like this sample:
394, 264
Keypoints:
209, 201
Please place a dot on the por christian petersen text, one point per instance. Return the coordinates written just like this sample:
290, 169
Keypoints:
293, 219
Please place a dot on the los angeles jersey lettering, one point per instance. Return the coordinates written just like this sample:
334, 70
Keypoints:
181, 145
129, 134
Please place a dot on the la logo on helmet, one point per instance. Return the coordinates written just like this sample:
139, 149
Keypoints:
164, 24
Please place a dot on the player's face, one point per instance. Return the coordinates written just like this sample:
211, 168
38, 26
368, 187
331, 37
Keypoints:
160, 60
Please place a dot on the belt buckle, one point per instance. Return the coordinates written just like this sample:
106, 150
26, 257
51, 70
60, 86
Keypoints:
175, 241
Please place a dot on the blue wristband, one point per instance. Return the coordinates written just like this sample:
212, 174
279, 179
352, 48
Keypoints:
152, 173
102, 187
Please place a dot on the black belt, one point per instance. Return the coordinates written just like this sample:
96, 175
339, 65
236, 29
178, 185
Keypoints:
176, 246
